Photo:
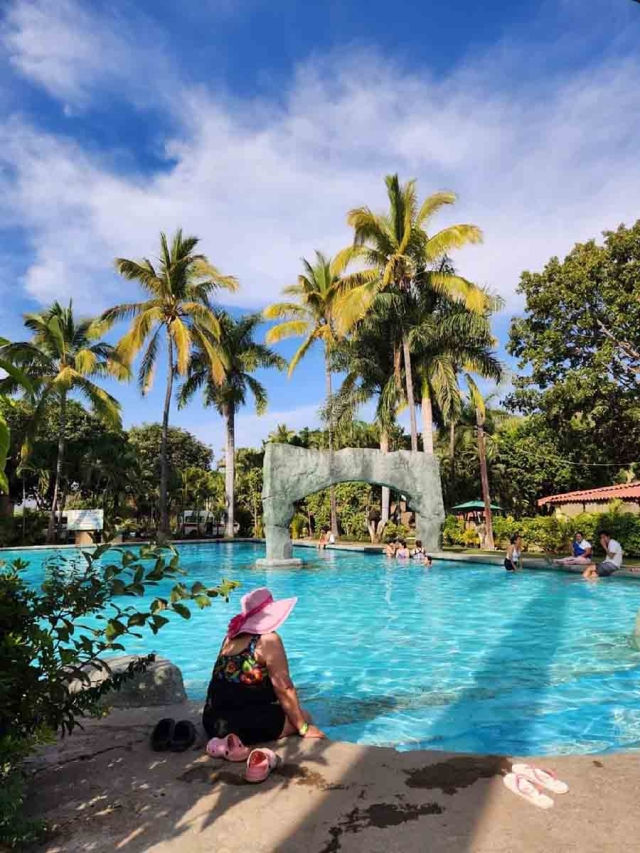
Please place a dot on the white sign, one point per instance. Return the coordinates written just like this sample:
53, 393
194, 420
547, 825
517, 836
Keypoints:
85, 519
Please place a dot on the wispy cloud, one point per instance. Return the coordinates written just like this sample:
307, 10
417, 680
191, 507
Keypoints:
538, 164
72, 49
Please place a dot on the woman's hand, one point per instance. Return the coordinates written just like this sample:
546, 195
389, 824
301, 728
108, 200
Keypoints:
314, 732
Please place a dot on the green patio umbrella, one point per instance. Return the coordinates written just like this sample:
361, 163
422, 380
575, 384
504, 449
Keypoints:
470, 506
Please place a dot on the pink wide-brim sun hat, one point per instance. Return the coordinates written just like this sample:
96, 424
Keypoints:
260, 613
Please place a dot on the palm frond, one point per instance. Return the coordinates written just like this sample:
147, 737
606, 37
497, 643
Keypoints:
259, 394
181, 336
300, 354
288, 329
280, 310
432, 204
146, 371
453, 237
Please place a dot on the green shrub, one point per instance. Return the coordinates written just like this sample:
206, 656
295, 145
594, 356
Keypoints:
396, 531
453, 531
44, 645
298, 524
554, 534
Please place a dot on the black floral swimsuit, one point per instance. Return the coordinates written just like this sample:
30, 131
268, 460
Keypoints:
241, 699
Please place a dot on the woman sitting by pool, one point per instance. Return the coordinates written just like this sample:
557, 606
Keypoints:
251, 693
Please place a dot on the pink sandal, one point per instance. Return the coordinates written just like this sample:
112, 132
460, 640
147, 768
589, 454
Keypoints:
230, 748
260, 764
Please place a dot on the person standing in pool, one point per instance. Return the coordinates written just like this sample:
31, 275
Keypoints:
612, 558
251, 693
513, 560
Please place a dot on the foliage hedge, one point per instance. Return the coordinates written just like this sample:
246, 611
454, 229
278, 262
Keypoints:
552, 534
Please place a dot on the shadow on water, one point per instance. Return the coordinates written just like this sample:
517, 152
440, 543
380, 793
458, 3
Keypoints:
429, 794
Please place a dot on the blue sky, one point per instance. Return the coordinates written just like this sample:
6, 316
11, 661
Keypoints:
257, 125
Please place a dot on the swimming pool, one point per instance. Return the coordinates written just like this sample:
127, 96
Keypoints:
460, 657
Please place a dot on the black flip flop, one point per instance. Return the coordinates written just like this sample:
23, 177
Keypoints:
184, 736
162, 735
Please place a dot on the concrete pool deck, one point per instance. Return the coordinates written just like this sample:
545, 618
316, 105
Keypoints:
103, 789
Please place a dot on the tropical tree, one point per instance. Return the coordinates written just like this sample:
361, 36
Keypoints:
21, 380
444, 336
402, 258
62, 358
368, 358
179, 287
478, 402
281, 435
241, 356
313, 316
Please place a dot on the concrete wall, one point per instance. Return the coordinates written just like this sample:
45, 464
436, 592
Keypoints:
291, 473
570, 510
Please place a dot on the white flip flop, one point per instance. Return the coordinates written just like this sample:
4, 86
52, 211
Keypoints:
522, 787
543, 778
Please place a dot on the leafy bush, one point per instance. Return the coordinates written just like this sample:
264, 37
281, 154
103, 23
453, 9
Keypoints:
453, 531
45, 645
395, 531
35, 525
298, 525
554, 534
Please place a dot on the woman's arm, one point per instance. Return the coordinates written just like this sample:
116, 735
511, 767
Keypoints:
275, 658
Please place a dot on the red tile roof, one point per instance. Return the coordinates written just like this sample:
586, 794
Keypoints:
626, 491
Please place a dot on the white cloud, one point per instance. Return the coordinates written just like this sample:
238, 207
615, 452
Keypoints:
71, 50
537, 165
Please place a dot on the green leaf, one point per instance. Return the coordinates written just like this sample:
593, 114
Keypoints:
137, 578
158, 604
182, 610
137, 619
202, 601
100, 550
197, 587
159, 621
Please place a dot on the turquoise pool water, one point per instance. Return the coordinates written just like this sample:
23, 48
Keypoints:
459, 657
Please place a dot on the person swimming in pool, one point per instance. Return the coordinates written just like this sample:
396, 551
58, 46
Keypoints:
251, 693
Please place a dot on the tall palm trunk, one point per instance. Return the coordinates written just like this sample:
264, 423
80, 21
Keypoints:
427, 420
230, 468
410, 397
332, 492
24, 508
484, 478
57, 487
386, 492
452, 439
163, 508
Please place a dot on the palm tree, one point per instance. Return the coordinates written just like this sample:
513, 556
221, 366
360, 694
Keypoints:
402, 258
478, 402
241, 355
371, 368
179, 305
62, 358
444, 335
313, 316
281, 435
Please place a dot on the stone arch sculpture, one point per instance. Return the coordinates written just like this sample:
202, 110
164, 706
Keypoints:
291, 473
